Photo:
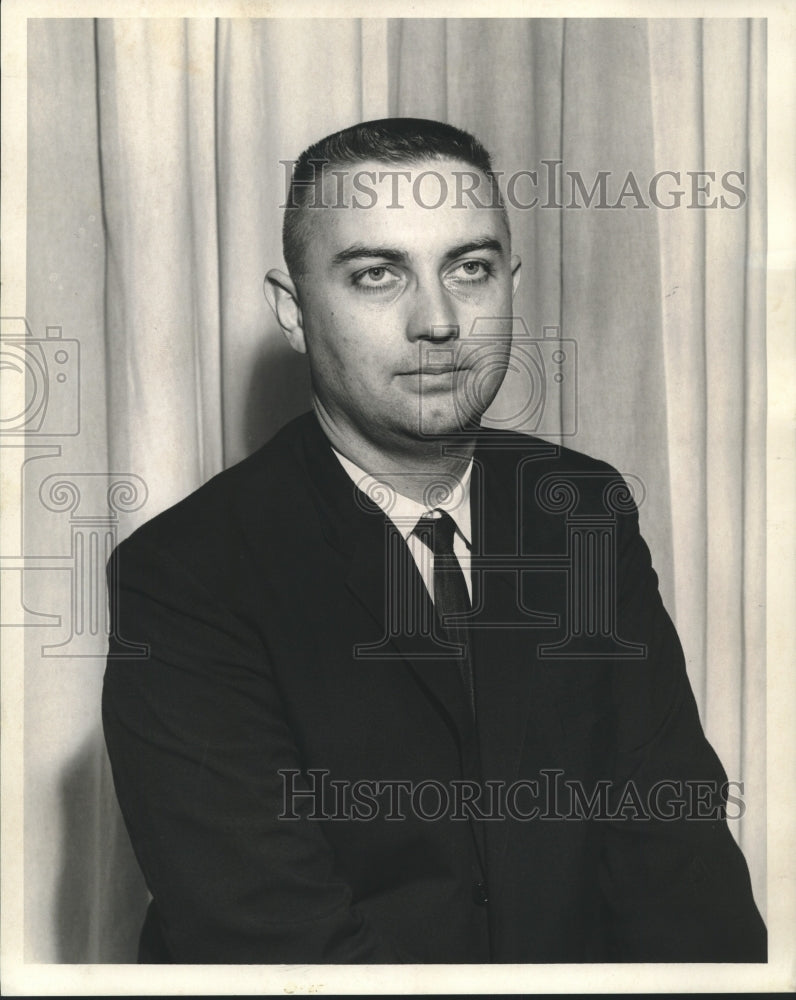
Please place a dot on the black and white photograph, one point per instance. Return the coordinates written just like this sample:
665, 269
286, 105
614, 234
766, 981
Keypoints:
397, 463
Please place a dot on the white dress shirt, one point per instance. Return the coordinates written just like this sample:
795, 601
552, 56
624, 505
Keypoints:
404, 512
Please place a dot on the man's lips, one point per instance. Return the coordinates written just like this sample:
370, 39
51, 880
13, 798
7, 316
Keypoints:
434, 370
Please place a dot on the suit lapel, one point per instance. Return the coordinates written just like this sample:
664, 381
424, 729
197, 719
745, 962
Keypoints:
383, 577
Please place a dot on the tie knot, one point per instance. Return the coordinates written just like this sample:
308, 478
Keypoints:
437, 532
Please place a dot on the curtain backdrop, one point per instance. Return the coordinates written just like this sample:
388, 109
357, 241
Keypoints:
154, 195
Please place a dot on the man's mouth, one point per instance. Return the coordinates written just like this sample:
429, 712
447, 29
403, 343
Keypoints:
434, 369
431, 371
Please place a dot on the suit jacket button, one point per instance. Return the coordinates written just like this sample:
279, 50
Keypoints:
480, 895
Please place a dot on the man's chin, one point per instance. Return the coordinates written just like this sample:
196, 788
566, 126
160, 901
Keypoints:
434, 423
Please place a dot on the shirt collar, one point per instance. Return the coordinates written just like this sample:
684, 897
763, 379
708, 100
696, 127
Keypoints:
403, 511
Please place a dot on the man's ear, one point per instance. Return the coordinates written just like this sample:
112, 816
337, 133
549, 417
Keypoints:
280, 291
516, 266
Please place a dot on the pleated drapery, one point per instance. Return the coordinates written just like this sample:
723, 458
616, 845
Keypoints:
158, 153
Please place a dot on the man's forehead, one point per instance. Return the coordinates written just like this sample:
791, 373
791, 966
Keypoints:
418, 206
433, 178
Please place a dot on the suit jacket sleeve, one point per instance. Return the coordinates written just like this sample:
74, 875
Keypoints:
677, 885
197, 733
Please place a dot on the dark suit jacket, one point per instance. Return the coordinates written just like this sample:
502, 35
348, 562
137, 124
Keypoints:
267, 602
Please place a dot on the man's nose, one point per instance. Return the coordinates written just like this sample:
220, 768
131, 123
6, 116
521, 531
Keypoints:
433, 315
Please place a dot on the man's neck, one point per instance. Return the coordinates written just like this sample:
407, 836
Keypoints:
412, 469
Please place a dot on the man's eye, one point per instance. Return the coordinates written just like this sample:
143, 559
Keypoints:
471, 270
374, 278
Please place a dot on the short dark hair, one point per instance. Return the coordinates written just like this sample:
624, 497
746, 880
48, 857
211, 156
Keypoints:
386, 140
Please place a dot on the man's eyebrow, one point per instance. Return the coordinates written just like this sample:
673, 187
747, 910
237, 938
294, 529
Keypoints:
360, 251
482, 243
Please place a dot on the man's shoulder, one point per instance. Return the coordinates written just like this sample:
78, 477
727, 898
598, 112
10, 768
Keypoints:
504, 451
549, 478
248, 497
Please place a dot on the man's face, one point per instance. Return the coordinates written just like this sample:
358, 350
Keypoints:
390, 299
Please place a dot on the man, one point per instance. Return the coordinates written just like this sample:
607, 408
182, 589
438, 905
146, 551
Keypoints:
411, 694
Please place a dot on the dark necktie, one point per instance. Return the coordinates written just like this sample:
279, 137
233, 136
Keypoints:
450, 588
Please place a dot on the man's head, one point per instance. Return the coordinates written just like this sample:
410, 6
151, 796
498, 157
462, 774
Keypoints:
394, 142
399, 250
